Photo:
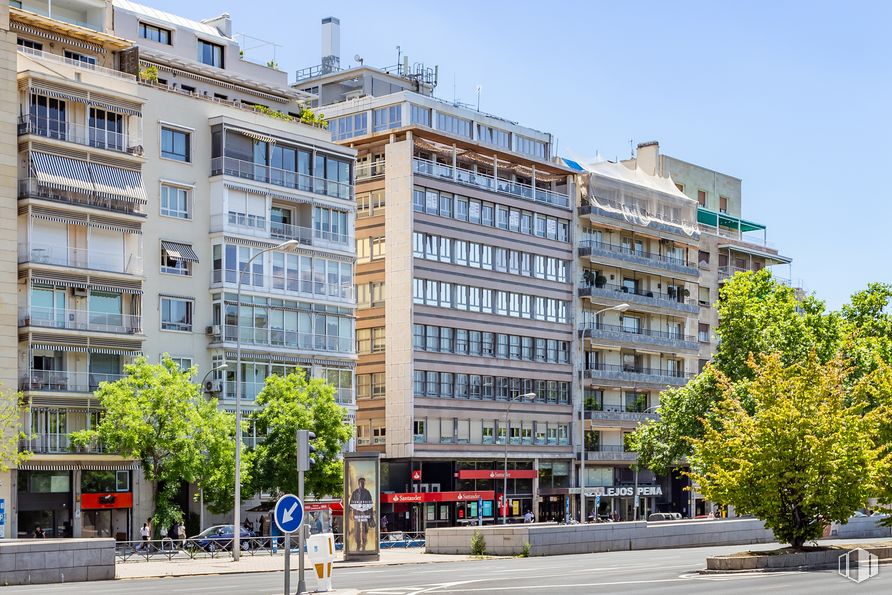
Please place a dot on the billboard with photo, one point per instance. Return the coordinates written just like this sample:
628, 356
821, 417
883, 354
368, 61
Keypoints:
362, 505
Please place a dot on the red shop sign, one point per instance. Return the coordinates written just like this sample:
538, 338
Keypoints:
107, 500
497, 474
413, 497
416, 475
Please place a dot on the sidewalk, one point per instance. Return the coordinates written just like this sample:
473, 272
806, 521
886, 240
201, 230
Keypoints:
265, 563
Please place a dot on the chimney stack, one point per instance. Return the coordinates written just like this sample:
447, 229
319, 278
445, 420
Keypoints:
331, 45
223, 23
648, 157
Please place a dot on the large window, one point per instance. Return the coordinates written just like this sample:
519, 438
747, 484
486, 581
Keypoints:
175, 201
82, 58
176, 314
175, 144
387, 117
153, 33
453, 125
349, 126
106, 129
48, 116
210, 53
333, 175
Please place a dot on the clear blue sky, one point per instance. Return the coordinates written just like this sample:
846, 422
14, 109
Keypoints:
794, 98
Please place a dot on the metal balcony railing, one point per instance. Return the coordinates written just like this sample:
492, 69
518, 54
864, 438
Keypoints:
619, 413
260, 227
249, 170
79, 64
627, 254
81, 320
33, 188
370, 169
56, 443
80, 134
80, 258
288, 338
487, 182
674, 299
637, 335
65, 381
638, 374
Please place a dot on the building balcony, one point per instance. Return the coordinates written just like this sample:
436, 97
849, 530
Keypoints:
32, 188
644, 297
637, 376
248, 170
636, 217
56, 443
639, 337
609, 452
649, 261
81, 320
79, 258
615, 413
369, 170
64, 381
80, 134
259, 227
436, 170
250, 390
287, 339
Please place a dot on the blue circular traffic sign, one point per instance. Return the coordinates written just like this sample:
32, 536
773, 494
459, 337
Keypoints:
289, 513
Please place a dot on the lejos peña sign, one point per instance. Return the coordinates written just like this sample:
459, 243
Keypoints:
628, 491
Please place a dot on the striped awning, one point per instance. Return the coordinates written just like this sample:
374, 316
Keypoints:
69, 41
62, 173
66, 348
177, 251
113, 227
291, 198
112, 289
114, 351
112, 107
58, 282
117, 182
78, 465
58, 218
254, 135
55, 93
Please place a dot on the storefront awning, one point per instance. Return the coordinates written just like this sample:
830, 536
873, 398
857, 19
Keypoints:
177, 251
61, 173
416, 497
78, 465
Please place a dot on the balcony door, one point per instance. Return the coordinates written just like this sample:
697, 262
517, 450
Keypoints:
282, 220
49, 430
103, 367
106, 311
48, 117
631, 362
106, 129
47, 307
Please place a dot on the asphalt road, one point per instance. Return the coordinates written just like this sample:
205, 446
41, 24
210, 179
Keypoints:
654, 571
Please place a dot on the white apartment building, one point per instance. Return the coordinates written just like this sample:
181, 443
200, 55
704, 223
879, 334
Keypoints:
140, 200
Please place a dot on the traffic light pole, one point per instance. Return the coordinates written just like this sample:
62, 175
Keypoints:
301, 539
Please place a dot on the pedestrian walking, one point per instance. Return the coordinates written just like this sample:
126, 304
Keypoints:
528, 517
144, 534
384, 522
181, 534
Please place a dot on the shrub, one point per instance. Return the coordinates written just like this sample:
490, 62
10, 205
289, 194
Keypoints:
478, 544
525, 549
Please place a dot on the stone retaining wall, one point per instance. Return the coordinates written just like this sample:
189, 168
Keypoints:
549, 540
814, 560
861, 527
40, 561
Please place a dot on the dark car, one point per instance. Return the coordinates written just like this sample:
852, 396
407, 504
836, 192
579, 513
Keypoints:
219, 537
664, 516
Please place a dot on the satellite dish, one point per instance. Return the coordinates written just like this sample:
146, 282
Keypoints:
358, 58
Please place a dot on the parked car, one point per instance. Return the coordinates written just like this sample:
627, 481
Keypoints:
664, 516
219, 537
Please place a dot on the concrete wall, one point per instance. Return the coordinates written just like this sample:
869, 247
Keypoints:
551, 540
860, 527
41, 561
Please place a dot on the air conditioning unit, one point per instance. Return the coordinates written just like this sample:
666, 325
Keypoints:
213, 386
79, 292
213, 329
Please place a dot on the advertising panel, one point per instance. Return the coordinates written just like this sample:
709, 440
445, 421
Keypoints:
362, 498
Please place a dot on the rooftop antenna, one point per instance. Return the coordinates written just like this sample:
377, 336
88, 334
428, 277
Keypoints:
631, 149
359, 59
454, 99
479, 88
398, 58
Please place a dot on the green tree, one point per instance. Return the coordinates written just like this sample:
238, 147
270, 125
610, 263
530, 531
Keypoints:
802, 458
11, 431
216, 474
291, 403
154, 415
757, 315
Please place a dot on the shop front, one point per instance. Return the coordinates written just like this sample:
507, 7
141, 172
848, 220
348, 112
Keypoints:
45, 500
441, 509
617, 503
106, 504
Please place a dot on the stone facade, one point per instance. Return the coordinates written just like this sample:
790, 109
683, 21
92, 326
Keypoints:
42, 561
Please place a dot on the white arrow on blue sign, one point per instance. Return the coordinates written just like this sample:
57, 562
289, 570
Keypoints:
289, 513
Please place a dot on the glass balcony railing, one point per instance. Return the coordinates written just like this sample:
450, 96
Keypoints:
638, 374
79, 64
370, 169
81, 320
260, 227
249, 170
80, 258
487, 182
88, 136
65, 381
33, 188
288, 339
56, 443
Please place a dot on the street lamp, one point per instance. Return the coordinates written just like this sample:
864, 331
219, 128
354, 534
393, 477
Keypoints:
635, 493
222, 366
516, 397
582, 511
237, 512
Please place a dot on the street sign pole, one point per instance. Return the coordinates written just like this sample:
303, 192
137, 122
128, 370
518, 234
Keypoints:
287, 563
301, 585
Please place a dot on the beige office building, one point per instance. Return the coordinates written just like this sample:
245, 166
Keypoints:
465, 296
139, 201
